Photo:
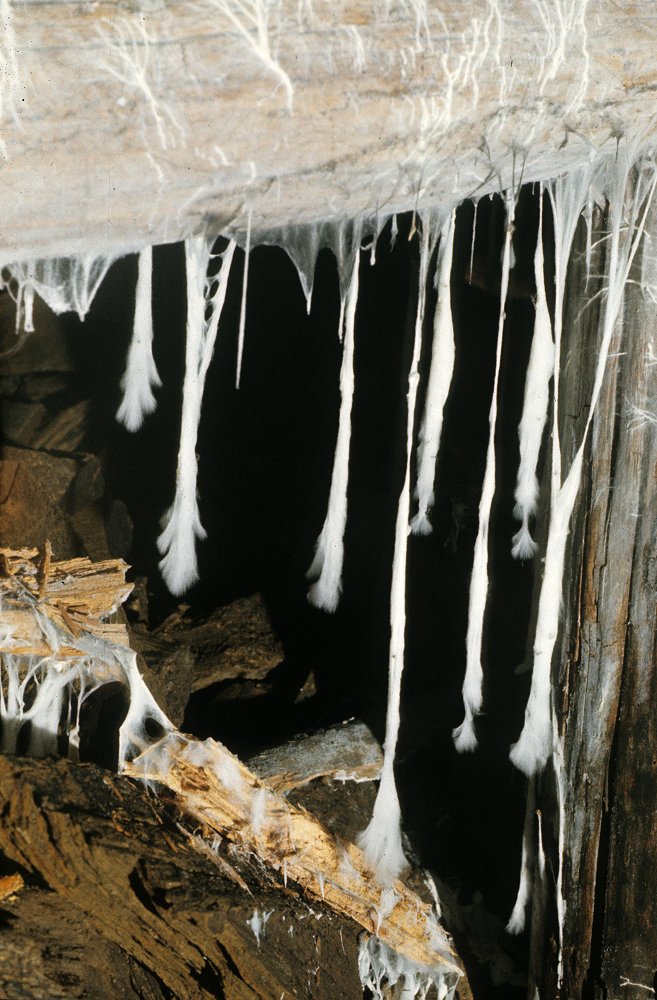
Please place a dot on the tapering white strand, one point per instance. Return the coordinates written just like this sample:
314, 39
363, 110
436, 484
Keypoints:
465, 737
245, 285
326, 567
473, 240
25, 277
28, 308
381, 840
141, 375
182, 523
440, 380
560, 782
589, 234
537, 739
394, 230
50, 680
516, 924
535, 409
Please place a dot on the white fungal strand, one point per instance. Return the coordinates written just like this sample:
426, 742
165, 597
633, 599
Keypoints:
440, 380
535, 409
326, 567
141, 375
182, 523
627, 221
245, 285
464, 735
516, 924
381, 840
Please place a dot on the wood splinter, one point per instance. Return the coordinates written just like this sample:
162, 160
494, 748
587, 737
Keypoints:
217, 790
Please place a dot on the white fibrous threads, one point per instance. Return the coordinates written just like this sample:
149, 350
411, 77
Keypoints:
39, 692
385, 973
465, 737
535, 408
50, 681
569, 196
65, 284
326, 567
28, 308
250, 19
245, 285
141, 375
25, 300
381, 840
182, 523
258, 922
440, 380
516, 924
627, 214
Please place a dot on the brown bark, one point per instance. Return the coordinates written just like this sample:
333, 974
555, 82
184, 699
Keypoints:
120, 902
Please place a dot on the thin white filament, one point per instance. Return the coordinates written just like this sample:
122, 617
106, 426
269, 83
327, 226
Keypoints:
326, 567
535, 409
537, 739
473, 240
381, 840
141, 375
245, 284
182, 523
440, 380
516, 924
464, 735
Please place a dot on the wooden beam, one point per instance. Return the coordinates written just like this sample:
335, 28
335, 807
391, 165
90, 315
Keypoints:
211, 785
131, 123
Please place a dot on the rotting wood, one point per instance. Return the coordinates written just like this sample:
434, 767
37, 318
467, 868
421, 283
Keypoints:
394, 107
235, 641
348, 752
211, 785
74, 594
130, 897
605, 669
214, 788
10, 885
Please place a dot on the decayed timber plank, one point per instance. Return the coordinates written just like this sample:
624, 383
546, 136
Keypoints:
125, 880
606, 667
74, 594
127, 123
214, 787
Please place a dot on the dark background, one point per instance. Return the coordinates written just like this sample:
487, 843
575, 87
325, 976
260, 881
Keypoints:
265, 459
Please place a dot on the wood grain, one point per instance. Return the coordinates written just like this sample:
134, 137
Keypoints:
132, 123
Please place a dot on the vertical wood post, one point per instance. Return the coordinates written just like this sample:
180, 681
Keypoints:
606, 666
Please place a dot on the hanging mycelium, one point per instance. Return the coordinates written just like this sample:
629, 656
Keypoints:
181, 525
628, 183
428, 163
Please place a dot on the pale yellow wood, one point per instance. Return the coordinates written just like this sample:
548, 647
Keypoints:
75, 595
219, 792
127, 123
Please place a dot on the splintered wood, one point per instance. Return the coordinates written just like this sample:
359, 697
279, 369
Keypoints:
219, 792
42, 598
75, 596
